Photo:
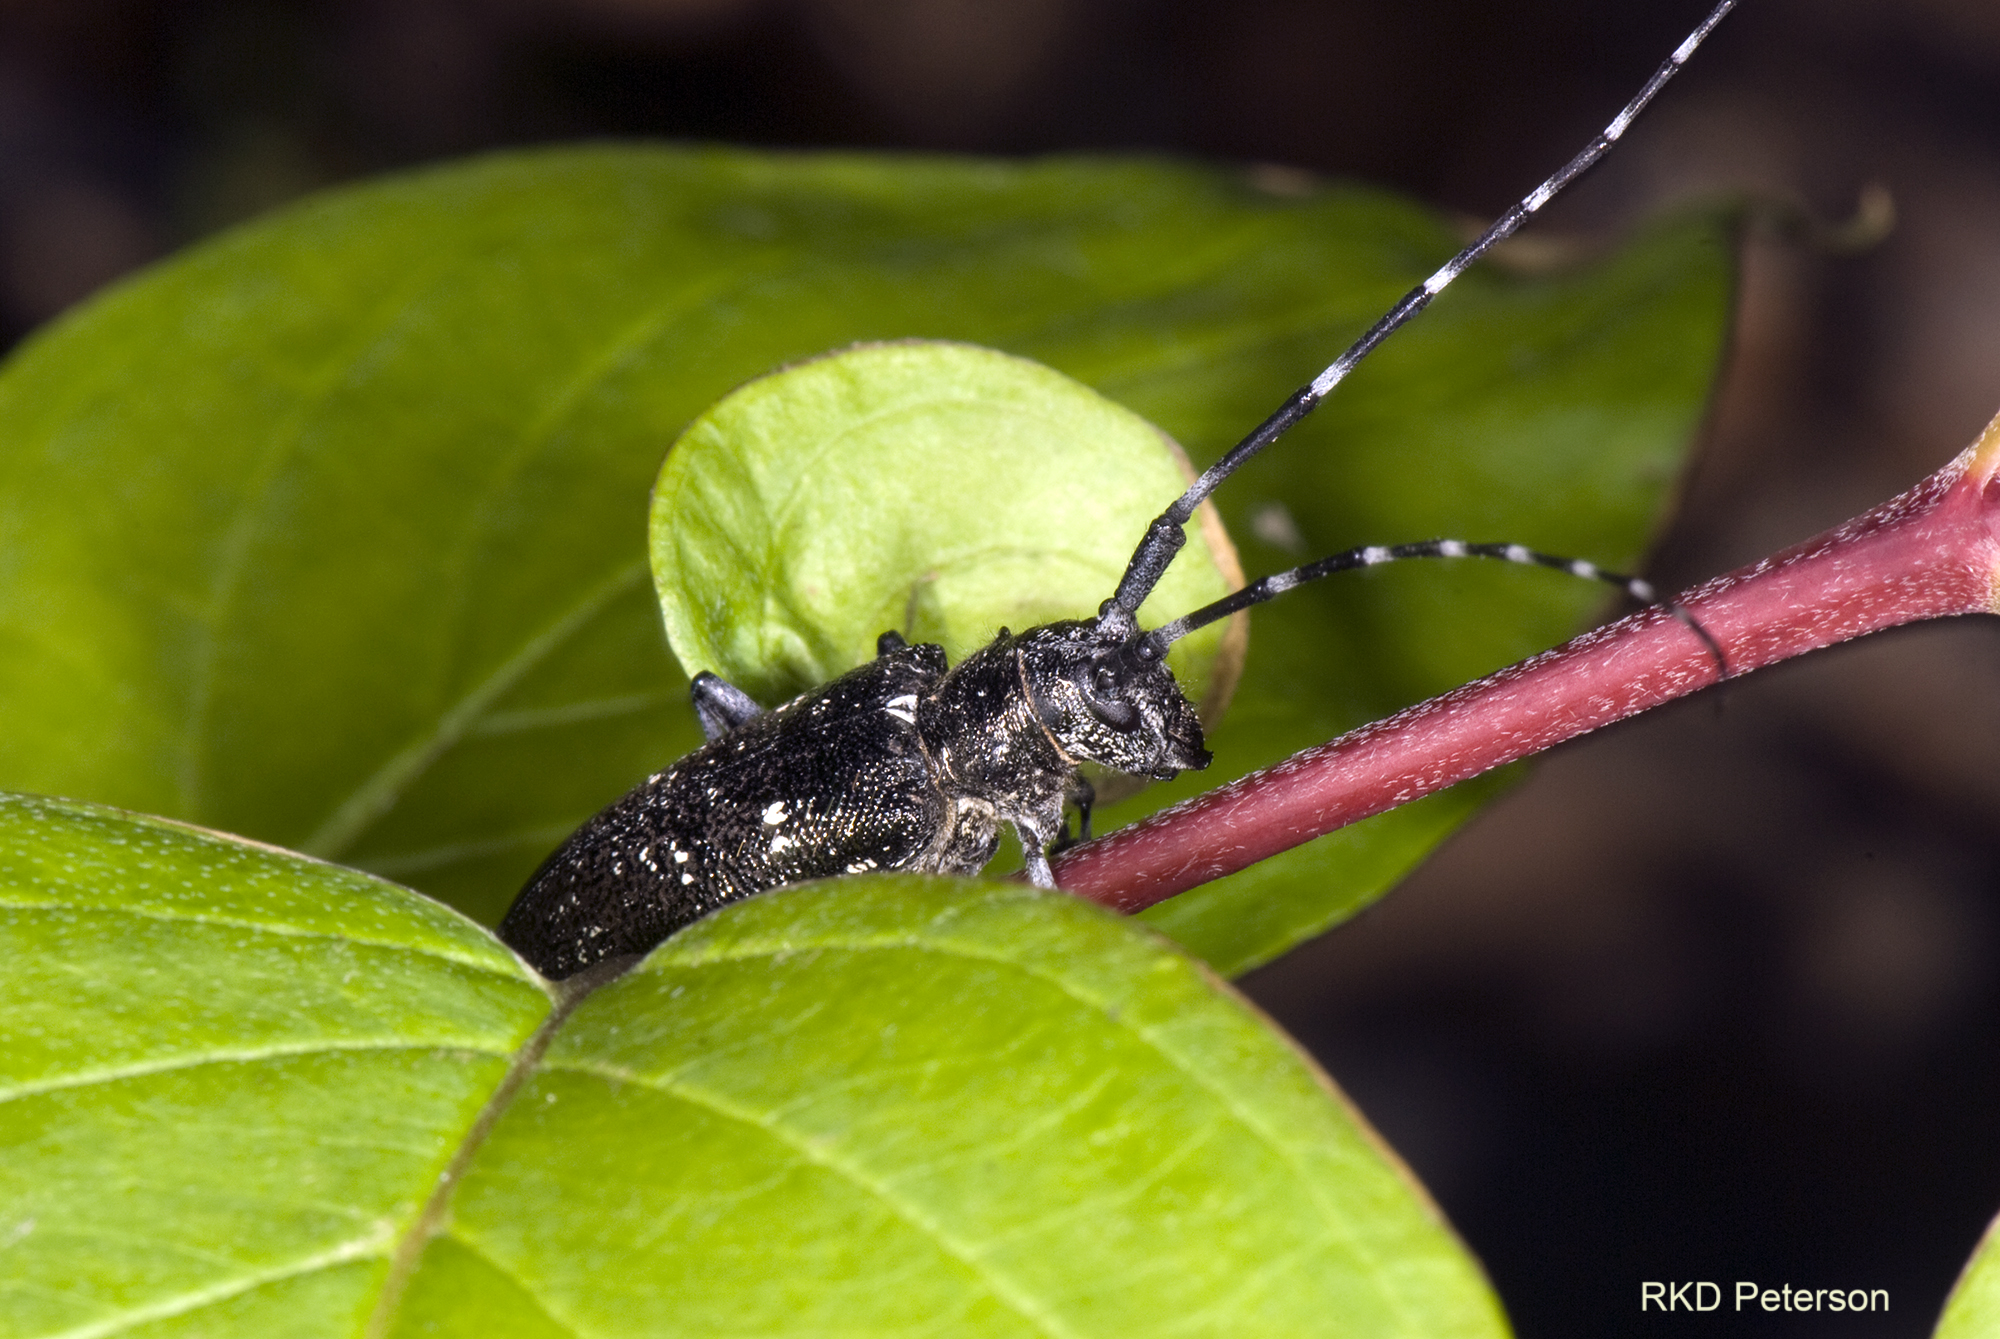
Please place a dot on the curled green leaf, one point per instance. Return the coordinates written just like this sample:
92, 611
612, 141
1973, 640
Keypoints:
938, 489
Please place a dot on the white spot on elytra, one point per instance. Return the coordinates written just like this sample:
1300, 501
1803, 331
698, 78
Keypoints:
860, 866
680, 856
774, 813
780, 842
687, 878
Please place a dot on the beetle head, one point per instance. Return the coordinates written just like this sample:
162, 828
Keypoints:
1111, 699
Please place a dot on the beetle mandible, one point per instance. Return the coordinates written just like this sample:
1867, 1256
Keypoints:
908, 763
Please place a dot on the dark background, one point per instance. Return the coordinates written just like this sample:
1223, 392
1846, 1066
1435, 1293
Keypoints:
1712, 996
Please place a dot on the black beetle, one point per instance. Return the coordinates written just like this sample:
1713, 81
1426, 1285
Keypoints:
906, 763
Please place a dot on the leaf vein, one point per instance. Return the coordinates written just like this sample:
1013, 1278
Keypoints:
109, 1074
379, 791
1242, 1116
485, 966
183, 1303
226, 582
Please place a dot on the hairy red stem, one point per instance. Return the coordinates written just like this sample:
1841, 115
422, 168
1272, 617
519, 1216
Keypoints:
1932, 552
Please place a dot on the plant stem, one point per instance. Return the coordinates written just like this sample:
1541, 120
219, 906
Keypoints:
1932, 552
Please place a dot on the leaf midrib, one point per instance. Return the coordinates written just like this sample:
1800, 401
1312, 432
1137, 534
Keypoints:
1336, 1224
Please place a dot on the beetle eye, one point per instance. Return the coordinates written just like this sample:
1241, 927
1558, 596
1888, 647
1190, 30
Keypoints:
1118, 715
1100, 693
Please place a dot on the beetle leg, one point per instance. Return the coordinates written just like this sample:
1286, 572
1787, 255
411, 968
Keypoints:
1083, 795
1032, 843
720, 705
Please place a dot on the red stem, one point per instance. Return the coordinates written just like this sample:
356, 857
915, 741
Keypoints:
1932, 552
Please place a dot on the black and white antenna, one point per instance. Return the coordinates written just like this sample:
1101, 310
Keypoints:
1119, 615
1152, 645
1373, 555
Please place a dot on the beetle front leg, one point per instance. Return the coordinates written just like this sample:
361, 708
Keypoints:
1034, 852
1083, 795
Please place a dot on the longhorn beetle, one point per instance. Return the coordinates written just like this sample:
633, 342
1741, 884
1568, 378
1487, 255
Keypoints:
907, 763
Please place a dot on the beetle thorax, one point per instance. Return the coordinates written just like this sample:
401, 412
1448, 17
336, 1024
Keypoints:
984, 735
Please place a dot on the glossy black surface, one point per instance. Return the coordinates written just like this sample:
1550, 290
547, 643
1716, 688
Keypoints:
898, 765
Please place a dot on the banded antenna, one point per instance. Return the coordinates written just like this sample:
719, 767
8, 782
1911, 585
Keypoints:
1152, 645
1119, 615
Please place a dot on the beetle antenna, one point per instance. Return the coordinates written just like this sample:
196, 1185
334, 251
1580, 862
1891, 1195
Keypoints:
1153, 644
1164, 537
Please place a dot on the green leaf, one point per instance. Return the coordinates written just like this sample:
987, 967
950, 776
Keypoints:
939, 489
228, 1075
248, 1093
332, 531
1973, 1309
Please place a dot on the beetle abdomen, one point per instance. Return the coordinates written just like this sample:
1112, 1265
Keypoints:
834, 782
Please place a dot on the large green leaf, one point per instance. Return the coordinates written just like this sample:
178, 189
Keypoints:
228, 1075
246, 1093
332, 531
